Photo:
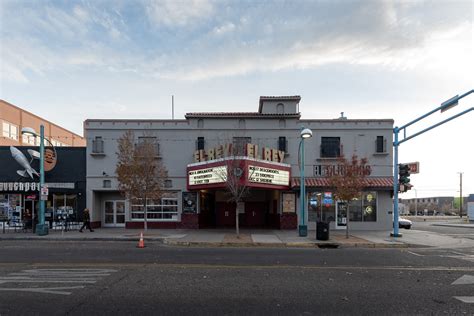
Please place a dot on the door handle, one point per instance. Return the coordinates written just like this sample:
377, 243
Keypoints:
226, 213
253, 213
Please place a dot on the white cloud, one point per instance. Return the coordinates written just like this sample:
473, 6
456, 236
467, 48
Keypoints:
225, 28
178, 12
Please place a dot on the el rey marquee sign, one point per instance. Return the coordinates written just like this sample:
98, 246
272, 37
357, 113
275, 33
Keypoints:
253, 173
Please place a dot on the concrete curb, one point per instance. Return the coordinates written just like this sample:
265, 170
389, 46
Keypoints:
42, 238
326, 245
171, 242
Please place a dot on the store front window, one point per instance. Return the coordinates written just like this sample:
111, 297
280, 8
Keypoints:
157, 209
364, 208
321, 206
64, 206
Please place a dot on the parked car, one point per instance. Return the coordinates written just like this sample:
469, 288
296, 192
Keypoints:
404, 223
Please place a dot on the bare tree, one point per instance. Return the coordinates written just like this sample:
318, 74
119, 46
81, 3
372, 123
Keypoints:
348, 179
233, 175
140, 173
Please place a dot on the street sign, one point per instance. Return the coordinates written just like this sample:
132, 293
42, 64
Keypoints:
44, 193
44, 190
414, 167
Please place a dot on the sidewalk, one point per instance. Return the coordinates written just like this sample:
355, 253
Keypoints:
252, 238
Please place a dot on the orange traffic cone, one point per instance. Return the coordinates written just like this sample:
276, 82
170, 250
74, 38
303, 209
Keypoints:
141, 243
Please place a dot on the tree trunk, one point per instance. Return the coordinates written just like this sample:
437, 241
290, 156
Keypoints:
347, 221
145, 226
237, 220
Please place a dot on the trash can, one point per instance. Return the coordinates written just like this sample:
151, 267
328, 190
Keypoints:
322, 231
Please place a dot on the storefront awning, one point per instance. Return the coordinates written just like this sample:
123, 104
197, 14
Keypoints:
373, 182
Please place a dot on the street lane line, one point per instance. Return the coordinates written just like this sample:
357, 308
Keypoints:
47, 290
416, 254
465, 279
465, 299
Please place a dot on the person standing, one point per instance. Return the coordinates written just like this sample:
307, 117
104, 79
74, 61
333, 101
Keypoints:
86, 217
27, 220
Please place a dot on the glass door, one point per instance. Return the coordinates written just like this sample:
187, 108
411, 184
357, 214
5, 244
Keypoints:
114, 214
341, 215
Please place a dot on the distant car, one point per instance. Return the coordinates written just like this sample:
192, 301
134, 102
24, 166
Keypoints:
404, 223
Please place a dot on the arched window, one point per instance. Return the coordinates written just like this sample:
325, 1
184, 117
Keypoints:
241, 123
280, 108
200, 123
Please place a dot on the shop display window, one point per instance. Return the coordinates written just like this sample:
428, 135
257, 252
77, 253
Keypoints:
157, 209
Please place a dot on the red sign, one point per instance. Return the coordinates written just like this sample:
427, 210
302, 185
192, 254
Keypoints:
414, 167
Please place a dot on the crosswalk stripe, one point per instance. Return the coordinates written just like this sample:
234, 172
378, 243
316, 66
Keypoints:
61, 275
465, 299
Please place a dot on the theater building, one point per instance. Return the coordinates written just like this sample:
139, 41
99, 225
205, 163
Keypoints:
262, 149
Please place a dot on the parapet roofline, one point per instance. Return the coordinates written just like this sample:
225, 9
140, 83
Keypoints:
240, 114
263, 98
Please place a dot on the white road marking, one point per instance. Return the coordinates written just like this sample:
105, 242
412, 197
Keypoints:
82, 276
48, 290
465, 279
416, 254
465, 299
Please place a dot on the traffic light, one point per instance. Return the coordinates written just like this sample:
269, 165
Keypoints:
404, 177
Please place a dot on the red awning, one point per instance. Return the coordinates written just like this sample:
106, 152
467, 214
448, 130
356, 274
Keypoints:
374, 182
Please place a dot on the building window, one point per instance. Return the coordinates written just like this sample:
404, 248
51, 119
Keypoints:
150, 140
98, 145
200, 123
57, 143
330, 147
381, 145
64, 207
242, 124
282, 144
282, 123
239, 145
200, 143
168, 183
29, 139
107, 184
157, 209
364, 209
280, 108
10, 130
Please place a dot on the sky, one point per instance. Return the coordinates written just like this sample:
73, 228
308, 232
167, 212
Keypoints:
68, 61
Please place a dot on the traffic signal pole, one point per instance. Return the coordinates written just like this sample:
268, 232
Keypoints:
396, 142
395, 183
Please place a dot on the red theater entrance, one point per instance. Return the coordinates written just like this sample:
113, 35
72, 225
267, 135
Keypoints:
216, 180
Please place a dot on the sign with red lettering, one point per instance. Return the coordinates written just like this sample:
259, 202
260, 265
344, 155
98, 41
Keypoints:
414, 167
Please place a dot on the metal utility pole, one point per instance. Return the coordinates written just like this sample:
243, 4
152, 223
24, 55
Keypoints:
397, 142
460, 194
172, 107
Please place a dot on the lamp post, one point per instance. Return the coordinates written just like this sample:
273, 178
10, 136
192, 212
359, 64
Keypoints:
396, 143
302, 228
41, 228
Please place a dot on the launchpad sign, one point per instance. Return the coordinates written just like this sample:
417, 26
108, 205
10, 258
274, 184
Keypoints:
267, 175
208, 175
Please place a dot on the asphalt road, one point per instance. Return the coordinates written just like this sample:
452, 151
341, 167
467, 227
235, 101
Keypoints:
89, 278
431, 226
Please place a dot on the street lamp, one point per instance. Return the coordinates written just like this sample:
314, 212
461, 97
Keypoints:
302, 228
41, 228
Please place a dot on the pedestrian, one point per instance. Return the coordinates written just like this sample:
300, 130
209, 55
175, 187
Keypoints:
86, 217
27, 220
